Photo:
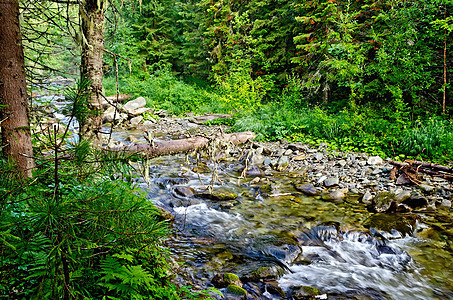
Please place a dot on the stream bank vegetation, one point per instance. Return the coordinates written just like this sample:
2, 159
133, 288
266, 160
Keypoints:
371, 76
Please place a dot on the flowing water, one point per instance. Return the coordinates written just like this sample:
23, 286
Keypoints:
301, 240
310, 242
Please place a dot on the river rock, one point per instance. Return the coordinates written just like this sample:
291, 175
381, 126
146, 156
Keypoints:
136, 120
331, 181
445, 204
367, 198
338, 195
375, 160
307, 189
427, 188
298, 147
403, 223
304, 293
402, 180
383, 202
217, 195
317, 156
132, 105
201, 167
184, 191
254, 171
222, 280
272, 287
416, 200
266, 272
166, 181
282, 163
299, 157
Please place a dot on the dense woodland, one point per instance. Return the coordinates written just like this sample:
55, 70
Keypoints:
367, 76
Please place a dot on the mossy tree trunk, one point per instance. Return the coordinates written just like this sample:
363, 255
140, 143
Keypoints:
92, 13
15, 125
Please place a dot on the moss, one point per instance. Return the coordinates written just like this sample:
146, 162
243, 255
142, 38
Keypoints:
230, 277
311, 291
266, 188
234, 289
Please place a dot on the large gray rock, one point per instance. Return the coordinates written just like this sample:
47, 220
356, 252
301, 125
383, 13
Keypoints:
136, 107
375, 160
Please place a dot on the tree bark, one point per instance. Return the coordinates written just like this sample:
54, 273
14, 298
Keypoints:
184, 145
15, 125
92, 13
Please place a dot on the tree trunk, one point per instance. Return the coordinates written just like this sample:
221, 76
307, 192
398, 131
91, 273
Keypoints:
92, 13
16, 137
183, 145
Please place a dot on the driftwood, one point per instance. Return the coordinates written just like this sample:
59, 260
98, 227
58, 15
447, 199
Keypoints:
159, 148
411, 168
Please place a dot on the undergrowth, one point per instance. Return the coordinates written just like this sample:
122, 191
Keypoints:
386, 130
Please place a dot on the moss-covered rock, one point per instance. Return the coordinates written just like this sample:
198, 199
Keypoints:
236, 290
217, 195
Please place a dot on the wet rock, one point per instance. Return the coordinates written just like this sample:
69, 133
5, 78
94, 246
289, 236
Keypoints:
201, 168
166, 181
273, 288
253, 291
307, 189
403, 223
402, 196
165, 214
222, 280
266, 272
184, 191
367, 198
445, 204
236, 290
383, 202
254, 171
331, 181
416, 200
265, 188
132, 139
217, 195
375, 160
282, 163
304, 293
338, 195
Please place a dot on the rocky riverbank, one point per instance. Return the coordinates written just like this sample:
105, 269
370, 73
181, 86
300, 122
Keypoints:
329, 174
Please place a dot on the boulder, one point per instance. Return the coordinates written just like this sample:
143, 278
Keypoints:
184, 191
282, 163
136, 107
416, 200
254, 171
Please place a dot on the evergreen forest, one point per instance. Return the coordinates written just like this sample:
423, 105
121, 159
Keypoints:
359, 76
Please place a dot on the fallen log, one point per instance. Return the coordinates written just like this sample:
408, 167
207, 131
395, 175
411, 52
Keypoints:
411, 167
160, 148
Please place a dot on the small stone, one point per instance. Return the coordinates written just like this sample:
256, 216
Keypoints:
331, 181
288, 152
367, 198
321, 179
375, 160
402, 180
267, 161
445, 204
427, 188
299, 157
282, 163
317, 156
136, 120
217, 195
342, 163
383, 202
